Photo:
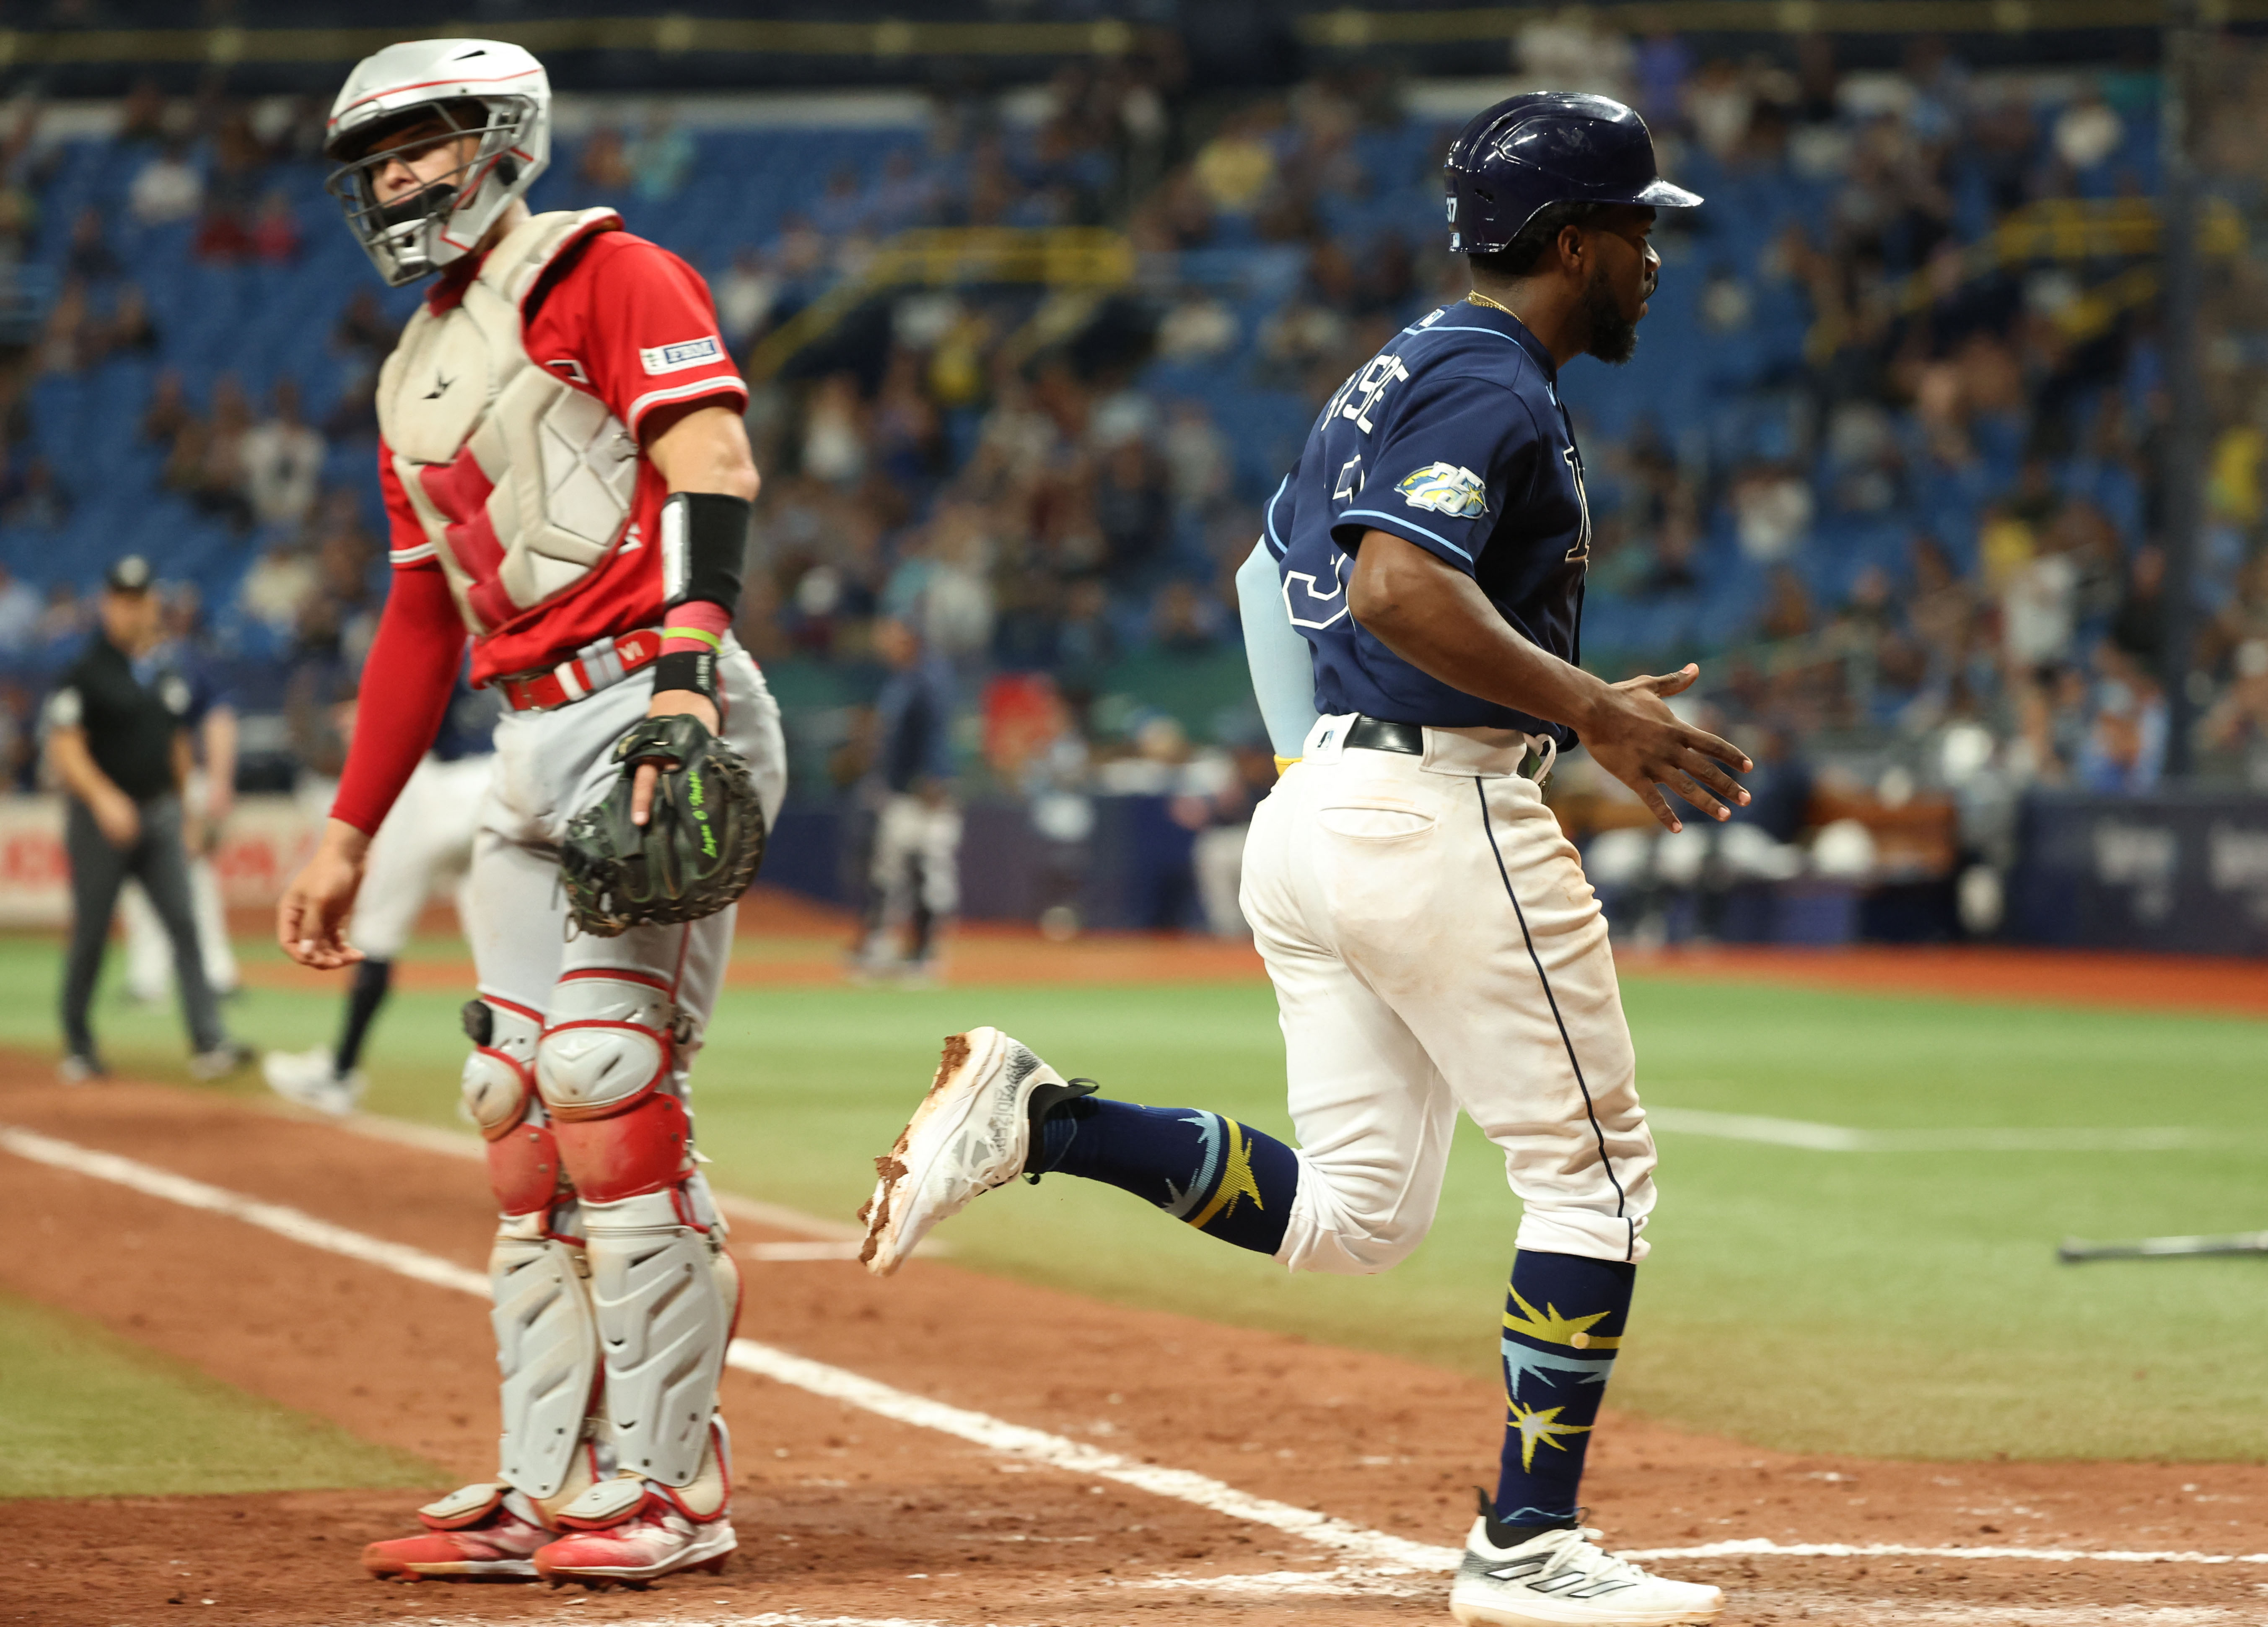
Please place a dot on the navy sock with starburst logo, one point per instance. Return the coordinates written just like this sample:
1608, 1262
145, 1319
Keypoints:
1563, 1326
1224, 1178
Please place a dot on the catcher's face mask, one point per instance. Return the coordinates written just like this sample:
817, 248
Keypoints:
407, 186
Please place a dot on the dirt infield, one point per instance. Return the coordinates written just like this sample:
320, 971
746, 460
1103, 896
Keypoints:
846, 1516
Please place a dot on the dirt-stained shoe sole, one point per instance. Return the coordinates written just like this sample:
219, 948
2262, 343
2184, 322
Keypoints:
911, 1193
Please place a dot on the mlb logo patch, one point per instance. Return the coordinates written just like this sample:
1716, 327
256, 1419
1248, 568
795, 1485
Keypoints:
1446, 489
669, 358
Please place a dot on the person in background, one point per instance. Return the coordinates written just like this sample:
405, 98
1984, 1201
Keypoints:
426, 840
115, 738
913, 874
209, 796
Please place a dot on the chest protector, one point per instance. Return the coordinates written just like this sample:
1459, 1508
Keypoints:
522, 482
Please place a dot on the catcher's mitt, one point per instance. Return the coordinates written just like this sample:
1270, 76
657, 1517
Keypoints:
696, 854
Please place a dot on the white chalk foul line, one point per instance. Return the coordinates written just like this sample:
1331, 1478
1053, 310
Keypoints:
1813, 1137
1386, 1554
835, 1383
1738, 1546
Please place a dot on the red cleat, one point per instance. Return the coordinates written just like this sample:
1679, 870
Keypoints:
477, 1534
631, 1530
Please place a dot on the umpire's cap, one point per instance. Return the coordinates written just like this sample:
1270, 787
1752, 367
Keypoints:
1543, 148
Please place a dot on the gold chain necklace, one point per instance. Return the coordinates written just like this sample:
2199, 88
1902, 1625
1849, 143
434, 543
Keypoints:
1480, 298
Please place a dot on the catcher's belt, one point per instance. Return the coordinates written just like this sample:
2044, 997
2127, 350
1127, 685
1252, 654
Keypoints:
696, 853
593, 667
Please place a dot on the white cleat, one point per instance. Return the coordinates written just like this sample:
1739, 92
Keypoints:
311, 1078
1562, 1578
971, 1133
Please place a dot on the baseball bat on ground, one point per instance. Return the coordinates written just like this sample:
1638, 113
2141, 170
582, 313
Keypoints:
2075, 1250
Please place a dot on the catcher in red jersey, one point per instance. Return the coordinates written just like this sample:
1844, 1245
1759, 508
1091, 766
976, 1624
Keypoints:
569, 487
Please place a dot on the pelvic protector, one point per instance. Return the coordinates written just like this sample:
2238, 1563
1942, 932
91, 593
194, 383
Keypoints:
548, 1350
665, 1293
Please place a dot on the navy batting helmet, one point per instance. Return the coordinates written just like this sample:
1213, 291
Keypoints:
1548, 147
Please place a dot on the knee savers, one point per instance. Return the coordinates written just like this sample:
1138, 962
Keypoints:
499, 1086
601, 1068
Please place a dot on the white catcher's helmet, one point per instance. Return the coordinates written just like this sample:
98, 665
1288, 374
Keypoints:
476, 87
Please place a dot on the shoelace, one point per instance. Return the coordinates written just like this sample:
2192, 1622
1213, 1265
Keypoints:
1578, 1548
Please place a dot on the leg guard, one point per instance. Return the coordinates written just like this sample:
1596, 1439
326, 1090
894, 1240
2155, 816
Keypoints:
666, 1294
607, 1068
500, 1096
548, 1348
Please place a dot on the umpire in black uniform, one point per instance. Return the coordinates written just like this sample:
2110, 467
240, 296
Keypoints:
116, 740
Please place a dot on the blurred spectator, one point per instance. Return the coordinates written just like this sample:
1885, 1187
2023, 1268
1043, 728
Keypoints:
19, 615
282, 460
1197, 464
67, 338
274, 236
745, 298
142, 116
364, 329
2126, 750
65, 617
835, 432
1133, 508
40, 500
1772, 511
1198, 327
604, 167
661, 158
278, 589
169, 410
2139, 628
1236, 168
1185, 622
168, 188
129, 329
89, 257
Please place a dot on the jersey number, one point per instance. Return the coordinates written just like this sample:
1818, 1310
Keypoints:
1307, 605
1581, 551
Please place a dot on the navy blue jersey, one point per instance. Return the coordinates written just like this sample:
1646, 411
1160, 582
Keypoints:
1452, 437
469, 727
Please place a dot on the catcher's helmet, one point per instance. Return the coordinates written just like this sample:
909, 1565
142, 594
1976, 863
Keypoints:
483, 87
1543, 148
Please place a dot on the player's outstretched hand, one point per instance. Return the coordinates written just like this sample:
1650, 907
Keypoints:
668, 703
311, 921
1640, 741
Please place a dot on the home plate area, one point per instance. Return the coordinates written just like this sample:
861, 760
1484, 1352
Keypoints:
947, 1448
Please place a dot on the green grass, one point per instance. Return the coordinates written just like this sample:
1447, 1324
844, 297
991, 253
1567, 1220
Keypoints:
1897, 1304
84, 1413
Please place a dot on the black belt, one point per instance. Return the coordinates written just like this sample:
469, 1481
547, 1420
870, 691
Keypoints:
1377, 734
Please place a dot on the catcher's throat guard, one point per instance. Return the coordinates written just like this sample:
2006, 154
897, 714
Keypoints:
698, 850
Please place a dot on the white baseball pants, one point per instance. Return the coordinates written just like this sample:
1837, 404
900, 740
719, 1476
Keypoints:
427, 840
549, 767
1435, 946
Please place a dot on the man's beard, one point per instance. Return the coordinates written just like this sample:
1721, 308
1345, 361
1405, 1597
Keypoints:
1614, 337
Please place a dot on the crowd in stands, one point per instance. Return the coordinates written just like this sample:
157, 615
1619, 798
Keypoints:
1897, 489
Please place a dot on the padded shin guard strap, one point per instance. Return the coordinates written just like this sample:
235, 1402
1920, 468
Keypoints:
548, 1348
665, 1317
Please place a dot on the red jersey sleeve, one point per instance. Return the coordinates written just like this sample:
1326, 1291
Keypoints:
643, 327
406, 541
406, 683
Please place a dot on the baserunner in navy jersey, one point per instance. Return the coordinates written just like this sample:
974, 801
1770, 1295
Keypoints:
1453, 439
1412, 618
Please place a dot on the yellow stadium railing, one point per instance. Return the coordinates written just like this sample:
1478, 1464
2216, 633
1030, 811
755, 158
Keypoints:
1075, 257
